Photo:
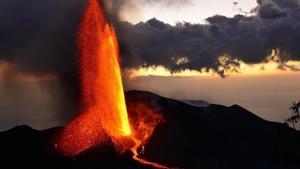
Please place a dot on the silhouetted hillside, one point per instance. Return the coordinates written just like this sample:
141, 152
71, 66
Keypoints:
217, 137
208, 137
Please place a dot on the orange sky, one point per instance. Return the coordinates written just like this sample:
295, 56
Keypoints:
268, 68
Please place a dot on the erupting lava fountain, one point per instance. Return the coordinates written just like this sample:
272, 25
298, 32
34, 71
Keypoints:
103, 109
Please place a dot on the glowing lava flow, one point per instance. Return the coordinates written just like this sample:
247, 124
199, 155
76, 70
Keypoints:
143, 120
103, 110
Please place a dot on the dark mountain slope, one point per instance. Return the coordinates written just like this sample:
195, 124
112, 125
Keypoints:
210, 137
218, 137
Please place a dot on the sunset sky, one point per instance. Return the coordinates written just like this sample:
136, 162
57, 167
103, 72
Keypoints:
263, 88
225, 52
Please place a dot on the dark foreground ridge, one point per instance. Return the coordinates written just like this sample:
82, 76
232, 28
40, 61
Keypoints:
209, 137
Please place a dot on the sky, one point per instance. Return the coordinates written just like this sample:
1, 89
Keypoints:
261, 88
212, 50
193, 11
268, 96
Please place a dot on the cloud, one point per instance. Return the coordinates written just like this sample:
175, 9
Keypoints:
39, 37
30, 99
251, 39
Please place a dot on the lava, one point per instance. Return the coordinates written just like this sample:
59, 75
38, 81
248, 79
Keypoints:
103, 110
143, 119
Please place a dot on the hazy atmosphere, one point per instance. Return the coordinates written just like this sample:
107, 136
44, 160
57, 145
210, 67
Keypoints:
268, 96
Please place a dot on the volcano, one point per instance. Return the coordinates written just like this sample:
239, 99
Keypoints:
140, 129
210, 136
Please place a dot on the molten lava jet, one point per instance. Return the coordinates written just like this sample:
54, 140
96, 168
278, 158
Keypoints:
103, 110
103, 115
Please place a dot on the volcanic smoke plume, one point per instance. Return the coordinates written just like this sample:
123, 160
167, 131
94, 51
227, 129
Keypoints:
103, 111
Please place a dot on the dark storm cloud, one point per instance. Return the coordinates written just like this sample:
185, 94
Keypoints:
275, 25
39, 37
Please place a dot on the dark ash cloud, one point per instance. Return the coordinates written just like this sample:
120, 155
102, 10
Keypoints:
275, 25
39, 37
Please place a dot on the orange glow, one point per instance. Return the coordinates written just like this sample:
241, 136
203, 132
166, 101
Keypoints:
103, 110
269, 67
162, 71
10, 73
143, 120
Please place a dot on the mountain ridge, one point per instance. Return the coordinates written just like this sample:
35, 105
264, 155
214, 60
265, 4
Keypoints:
211, 137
